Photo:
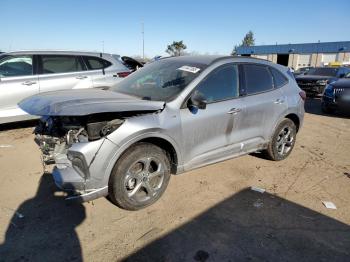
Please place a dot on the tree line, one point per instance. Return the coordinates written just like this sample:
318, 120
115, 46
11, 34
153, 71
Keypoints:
177, 48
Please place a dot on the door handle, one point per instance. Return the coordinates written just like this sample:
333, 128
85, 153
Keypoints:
28, 83
234, 111
279, 101
81, 77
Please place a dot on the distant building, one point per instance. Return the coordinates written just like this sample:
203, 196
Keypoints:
301, 55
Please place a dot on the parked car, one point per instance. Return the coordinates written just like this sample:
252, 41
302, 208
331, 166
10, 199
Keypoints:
302, 70
171, 116
316, 79
336, 96
131, 63
27, 73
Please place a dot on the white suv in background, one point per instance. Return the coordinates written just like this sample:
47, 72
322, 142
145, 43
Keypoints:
27, 73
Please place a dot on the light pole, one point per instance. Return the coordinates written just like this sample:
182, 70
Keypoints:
143, 41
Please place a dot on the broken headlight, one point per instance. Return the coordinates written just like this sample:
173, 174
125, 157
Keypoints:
79, 163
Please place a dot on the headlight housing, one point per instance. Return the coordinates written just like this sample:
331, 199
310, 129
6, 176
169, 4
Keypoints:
79, 163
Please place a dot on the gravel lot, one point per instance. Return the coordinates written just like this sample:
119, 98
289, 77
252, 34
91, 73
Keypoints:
209, 214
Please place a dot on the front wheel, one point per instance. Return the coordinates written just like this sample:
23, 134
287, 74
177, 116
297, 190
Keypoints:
282, 141
139, 177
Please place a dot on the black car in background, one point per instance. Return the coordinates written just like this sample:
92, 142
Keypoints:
336, 96
315, 80
302, 70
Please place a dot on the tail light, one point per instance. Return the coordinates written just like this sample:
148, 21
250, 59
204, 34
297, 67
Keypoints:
302, 95
123, 74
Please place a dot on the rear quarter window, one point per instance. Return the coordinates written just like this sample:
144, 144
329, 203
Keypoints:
95, 63
279, 79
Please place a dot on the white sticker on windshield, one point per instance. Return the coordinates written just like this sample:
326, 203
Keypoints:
190, 69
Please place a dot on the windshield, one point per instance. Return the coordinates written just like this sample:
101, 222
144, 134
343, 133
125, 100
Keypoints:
347, 75
323, 71
160, 81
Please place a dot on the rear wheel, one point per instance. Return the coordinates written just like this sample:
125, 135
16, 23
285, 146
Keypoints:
282, 141
139, 177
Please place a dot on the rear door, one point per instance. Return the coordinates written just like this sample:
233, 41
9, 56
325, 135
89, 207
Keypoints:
99, 70
17, 81
263, 105
58, 72
211, 134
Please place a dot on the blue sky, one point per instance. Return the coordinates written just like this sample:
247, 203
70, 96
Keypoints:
204, 26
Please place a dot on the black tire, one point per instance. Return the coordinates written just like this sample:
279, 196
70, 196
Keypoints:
275, 150
326, 109
132, 185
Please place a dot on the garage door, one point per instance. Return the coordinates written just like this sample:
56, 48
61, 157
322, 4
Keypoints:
327, 58
304, 60
262, 56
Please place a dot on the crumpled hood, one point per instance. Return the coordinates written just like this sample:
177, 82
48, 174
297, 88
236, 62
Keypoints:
85, 102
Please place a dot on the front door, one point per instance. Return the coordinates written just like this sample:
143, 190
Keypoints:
17, 81
211, 134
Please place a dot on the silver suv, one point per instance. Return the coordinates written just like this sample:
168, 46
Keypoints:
169, 117
27, 73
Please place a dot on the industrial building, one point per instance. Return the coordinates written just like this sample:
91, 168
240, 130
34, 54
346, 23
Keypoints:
301, 55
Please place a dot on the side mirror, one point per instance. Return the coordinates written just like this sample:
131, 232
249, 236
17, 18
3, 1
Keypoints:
197, 100
341, 75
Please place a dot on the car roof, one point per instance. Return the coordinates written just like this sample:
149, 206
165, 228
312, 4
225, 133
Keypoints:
55, 52
210, 59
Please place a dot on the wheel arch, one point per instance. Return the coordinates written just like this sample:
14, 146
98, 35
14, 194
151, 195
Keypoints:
295, 119
157, 139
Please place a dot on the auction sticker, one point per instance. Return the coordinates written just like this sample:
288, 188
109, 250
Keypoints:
190, 69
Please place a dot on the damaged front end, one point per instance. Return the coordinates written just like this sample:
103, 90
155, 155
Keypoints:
73, 132
56, 134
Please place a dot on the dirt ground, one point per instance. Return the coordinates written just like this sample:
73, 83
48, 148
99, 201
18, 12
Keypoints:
209, 214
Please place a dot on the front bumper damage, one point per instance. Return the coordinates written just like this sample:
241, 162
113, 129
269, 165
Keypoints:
86, 182
68, 180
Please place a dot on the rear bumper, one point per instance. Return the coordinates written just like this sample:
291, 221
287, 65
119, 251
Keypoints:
67, 179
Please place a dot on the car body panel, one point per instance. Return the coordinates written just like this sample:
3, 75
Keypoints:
85, 102
339, 98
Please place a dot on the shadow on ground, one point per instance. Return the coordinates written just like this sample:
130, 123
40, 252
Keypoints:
18, 125
46, 232
251, 226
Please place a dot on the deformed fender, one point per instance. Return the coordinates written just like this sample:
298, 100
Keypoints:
120, 150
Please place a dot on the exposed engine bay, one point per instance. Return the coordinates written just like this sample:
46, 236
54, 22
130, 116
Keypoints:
55, 134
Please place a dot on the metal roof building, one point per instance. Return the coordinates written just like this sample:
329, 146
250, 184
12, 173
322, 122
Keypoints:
300, 55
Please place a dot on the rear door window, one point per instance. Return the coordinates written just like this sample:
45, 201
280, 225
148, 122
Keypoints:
279, 79
11, 66
54, 64
95, 63
221, 84
257, 78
